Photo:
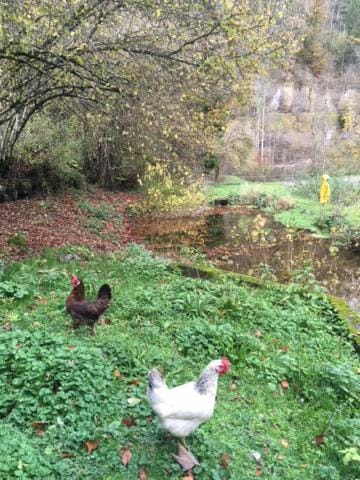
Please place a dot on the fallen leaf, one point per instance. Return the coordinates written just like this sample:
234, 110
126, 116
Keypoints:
136, 383
7, 326
39, 425
142, 474
71, 347
258, 333
284, 348
284, 443
319, 440
66, 455
232, 387
91, 445
128, 421
280, 457
259, 472
132, 401
225, 460
237, 397
125, 456
117, 373
285, 384
188, 477
40, 433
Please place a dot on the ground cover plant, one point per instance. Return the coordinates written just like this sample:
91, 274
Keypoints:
73, 406
297, 205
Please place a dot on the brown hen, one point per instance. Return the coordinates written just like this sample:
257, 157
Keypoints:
81, 310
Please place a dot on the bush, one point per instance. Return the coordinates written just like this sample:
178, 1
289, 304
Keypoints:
168, 190
211, 162
330, 220
43, 154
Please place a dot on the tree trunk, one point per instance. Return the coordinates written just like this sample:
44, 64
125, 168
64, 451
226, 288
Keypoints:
9, 134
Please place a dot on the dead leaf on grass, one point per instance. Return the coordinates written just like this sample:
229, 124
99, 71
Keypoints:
259, 472
189, 476
284, 443
225, 460
117, 373
319, 440
125, 455
66, 455
258, 333
285, 384
142, 474
91, 445
284, 348
39, 425
128, 421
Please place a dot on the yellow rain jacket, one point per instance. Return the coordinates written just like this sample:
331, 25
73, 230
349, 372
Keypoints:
324, 190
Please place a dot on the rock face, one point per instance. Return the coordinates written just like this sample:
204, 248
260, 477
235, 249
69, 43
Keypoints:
297, 126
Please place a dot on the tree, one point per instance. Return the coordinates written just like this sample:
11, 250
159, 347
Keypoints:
94, 51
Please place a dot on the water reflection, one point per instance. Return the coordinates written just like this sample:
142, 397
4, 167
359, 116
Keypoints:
245, 241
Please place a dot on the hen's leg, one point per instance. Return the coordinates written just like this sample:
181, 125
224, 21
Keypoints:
183, 443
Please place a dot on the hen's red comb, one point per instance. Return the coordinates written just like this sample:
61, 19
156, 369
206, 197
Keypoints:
226, 363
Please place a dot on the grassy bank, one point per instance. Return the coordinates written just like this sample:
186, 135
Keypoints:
71, 402
296, 206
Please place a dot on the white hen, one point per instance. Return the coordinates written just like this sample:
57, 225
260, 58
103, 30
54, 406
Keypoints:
182, 409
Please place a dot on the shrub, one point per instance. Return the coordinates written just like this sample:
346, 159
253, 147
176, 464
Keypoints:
211, 162
330, 220
42, 154
168, 190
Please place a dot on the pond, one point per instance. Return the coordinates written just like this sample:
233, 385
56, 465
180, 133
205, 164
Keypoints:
244, 240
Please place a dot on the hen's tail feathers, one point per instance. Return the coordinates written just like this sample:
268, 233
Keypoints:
155, 379
104, 291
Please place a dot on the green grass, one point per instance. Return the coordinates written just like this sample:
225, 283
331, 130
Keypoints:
307, 213
49, 373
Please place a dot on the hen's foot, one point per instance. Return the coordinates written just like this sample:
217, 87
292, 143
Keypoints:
185, 458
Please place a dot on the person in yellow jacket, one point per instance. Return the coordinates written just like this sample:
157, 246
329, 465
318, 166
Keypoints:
324, 189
